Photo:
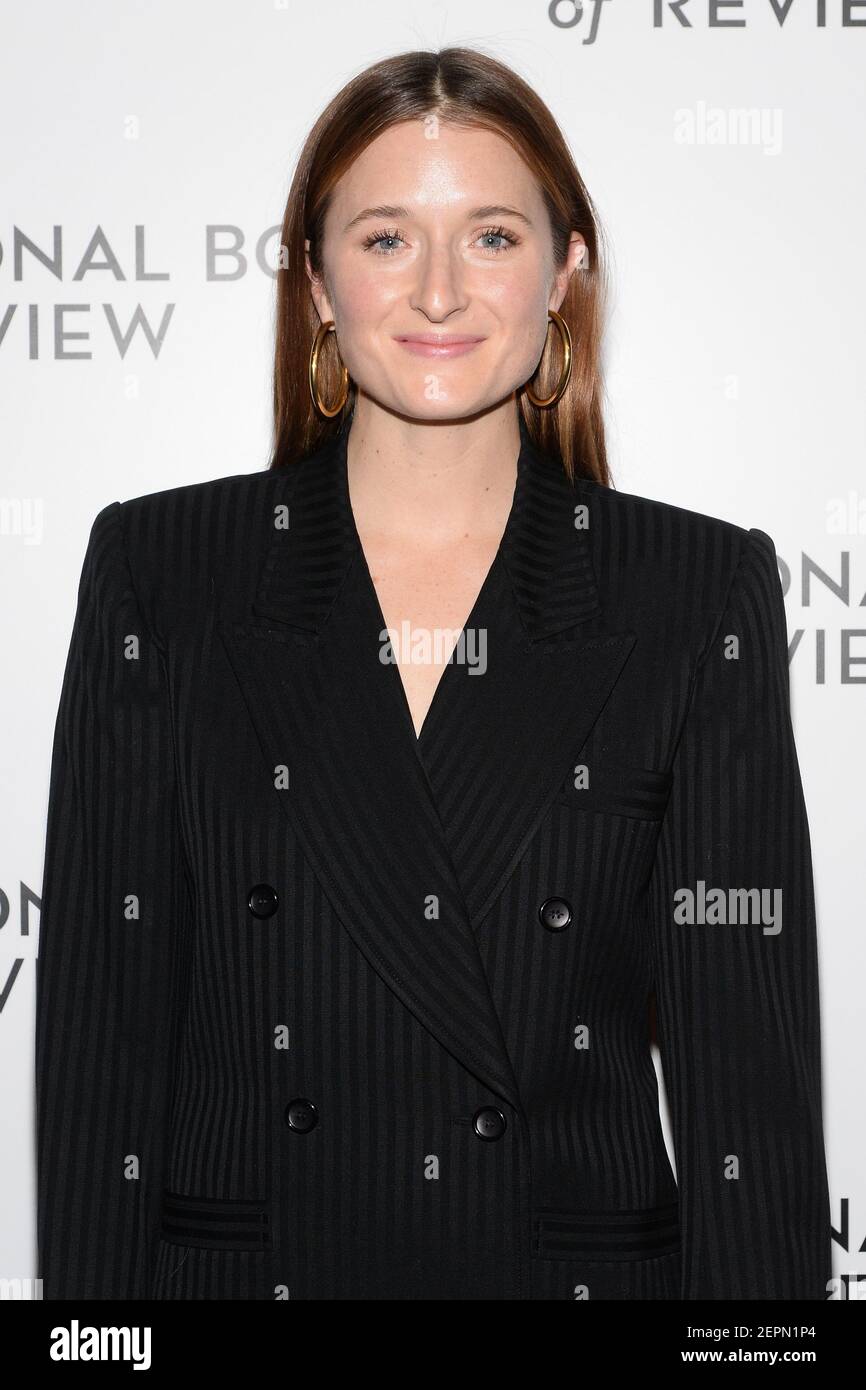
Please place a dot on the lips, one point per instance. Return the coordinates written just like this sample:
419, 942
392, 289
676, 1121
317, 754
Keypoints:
438, 344
442, 339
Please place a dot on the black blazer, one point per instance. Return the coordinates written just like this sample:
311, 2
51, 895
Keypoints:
329, 1012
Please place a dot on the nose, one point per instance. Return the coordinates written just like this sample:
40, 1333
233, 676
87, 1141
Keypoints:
440, 288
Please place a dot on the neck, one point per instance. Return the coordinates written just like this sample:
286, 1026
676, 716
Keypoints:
431, 483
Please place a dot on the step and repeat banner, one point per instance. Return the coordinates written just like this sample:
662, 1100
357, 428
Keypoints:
147, 152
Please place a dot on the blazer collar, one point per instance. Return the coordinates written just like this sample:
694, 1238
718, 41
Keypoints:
547, 558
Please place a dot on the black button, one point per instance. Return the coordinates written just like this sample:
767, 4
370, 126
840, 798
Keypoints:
262, 900
555, 914
301, 1115
489, 1123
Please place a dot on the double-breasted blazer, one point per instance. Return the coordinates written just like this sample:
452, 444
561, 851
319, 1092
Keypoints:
328, 1011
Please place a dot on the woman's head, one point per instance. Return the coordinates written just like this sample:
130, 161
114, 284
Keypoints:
436, 196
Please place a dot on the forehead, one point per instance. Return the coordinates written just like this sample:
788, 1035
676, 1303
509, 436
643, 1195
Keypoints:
430, 165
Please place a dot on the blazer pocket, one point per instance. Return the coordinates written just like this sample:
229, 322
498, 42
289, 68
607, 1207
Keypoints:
561, 1234
639, 792
213, 1223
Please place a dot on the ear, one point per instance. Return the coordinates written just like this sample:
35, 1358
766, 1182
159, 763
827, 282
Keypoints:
317, 287
576, 260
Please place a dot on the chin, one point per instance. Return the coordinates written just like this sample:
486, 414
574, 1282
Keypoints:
447, 408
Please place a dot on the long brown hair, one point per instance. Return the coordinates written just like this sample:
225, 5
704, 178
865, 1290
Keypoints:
469, 89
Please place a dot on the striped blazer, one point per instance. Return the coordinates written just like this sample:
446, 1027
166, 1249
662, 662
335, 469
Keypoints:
328, 1011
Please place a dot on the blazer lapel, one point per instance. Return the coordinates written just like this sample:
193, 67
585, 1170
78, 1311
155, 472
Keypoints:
497, 746
400, 831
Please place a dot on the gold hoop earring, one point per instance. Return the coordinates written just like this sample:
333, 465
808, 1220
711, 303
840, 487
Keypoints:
565, 375
327, 411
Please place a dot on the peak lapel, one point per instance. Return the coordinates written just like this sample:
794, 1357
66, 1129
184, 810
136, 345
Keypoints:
497, 745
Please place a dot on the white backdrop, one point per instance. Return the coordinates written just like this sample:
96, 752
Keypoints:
724, 151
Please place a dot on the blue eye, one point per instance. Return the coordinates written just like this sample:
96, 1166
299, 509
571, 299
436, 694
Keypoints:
375, 237
501, 234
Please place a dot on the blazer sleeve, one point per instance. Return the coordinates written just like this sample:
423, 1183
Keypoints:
737, 1001
115, 908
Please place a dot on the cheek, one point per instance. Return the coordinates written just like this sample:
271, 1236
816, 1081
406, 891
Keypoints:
369, 306
520, 308
514, 290
508, 291
363, 293
363, 304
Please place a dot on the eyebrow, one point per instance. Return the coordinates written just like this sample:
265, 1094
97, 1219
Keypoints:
391, 212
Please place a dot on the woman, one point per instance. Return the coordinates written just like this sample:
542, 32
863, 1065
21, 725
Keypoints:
348, 949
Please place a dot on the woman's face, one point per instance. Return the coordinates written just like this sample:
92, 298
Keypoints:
438, 233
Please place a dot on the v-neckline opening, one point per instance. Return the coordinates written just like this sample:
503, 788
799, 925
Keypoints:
418, 738
486, 584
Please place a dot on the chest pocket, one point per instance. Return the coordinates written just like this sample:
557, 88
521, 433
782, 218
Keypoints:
641, 793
